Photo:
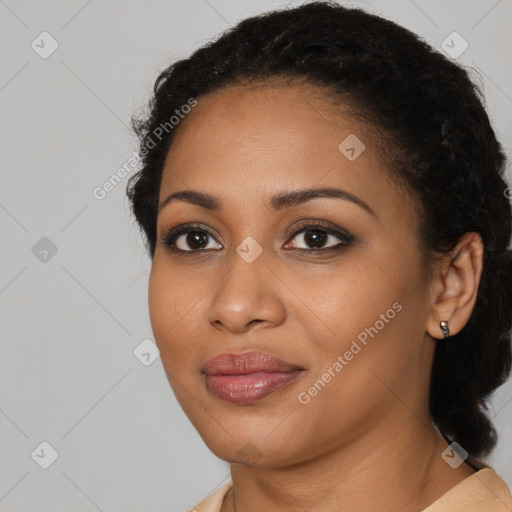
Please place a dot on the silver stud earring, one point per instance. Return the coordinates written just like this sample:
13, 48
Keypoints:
445, 328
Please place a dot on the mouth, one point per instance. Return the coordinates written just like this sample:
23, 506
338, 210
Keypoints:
248, 377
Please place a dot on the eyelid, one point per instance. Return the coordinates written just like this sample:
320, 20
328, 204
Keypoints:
345, 238
168, 239
311, 224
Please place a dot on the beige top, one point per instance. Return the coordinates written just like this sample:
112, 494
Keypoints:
483, 491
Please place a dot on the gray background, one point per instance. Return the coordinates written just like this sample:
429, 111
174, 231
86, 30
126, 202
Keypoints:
70, 321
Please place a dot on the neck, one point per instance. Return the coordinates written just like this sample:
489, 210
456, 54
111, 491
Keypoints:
394, 470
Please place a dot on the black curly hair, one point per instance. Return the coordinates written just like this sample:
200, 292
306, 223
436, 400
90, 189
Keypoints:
444, 151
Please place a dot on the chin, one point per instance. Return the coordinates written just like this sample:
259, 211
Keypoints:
252, 451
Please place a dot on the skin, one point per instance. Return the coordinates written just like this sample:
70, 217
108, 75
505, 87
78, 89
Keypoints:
365, 441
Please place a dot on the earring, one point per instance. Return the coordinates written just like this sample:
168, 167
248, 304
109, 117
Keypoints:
445, 329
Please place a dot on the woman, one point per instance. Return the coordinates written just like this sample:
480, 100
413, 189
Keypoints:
324, 205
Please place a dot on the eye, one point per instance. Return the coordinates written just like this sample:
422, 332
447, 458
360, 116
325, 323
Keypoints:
189, 239
314, 238
319, 238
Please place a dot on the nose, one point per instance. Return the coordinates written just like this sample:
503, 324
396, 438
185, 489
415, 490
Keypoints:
247, 296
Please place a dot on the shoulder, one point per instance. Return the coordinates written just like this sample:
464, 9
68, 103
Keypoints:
213, 502
483, 490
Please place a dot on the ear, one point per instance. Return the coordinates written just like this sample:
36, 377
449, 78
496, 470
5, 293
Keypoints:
455, 286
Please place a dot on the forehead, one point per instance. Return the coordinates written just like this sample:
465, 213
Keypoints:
249, 141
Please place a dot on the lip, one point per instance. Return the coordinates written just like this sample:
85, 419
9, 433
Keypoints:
246, 377
246, 362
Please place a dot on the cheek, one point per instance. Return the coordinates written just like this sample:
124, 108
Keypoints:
368, 313
160, 302
341, 303
171, 308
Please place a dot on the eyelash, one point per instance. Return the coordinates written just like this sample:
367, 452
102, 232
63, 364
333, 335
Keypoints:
169, 239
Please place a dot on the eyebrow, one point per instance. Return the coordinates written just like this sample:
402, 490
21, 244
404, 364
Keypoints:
286, 199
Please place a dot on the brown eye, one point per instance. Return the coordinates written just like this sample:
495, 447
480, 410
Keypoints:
188, 239
196, 240
316, 238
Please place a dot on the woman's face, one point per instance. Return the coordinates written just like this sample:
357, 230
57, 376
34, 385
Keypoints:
349, 321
